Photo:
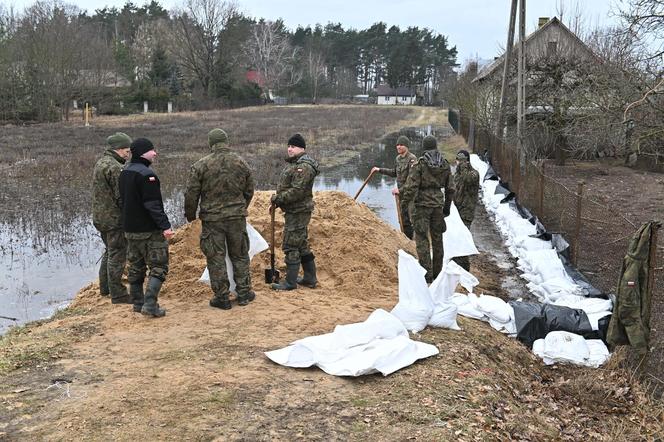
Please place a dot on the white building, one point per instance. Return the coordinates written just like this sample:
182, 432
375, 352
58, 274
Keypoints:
400, 95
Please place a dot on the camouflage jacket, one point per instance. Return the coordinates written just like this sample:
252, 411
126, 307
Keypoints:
630, 322
106, 207
223, 184
401, 168
426, 180
294, 193
466, 189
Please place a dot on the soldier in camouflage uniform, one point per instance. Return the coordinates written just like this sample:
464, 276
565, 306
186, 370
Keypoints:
224, 185
146, 227
404, 161
466, 190
423, 187
295, 198
106, 213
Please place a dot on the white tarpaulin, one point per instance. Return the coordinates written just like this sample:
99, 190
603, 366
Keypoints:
379, 344
256, 245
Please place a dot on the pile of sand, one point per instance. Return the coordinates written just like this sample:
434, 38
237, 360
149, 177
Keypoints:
356, 257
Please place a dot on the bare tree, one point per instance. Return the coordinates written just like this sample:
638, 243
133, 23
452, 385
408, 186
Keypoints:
272, 55
198, 25
316, 70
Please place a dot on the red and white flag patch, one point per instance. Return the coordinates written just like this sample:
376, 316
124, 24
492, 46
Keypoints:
152, 178
630, 283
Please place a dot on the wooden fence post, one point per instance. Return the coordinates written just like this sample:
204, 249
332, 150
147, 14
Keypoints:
540, 192
577, 224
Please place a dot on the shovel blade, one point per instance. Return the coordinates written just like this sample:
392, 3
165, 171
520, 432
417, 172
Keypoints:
271, 276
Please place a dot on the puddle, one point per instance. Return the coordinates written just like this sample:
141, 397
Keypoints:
44, 269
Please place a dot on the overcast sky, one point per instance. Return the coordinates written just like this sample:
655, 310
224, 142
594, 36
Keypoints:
478, 28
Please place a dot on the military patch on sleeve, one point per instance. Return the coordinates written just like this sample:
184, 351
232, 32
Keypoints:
152, 178
630, 283
299, 170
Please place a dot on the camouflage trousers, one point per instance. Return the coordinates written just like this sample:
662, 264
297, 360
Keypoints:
429, 221
464, 261
405, 219
112, 263
146, 250
230, 235
296, 236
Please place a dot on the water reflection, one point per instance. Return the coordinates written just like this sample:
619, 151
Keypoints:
49, 252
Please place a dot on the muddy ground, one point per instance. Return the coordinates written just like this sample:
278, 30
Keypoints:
101, 372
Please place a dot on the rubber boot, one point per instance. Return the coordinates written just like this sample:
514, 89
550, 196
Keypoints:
150, 307
309, 277
246, 299
121, 298
221, 302
290, 282
136, 293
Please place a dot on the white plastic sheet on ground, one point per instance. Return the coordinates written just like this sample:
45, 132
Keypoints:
256, 245
379, 344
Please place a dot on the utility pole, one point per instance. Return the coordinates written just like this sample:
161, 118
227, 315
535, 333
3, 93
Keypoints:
521, 93
508, 58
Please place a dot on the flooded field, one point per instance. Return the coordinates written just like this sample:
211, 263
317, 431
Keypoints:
49, 248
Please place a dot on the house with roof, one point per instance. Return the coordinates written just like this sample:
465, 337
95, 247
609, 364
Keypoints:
401, 95
558, 74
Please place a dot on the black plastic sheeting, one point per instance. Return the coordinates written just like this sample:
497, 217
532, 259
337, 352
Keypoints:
534, 321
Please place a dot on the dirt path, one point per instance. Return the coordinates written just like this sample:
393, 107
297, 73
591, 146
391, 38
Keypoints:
100, 372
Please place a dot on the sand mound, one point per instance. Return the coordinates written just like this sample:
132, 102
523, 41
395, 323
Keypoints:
356, 254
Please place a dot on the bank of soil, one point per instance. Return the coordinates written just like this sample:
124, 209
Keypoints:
99, 371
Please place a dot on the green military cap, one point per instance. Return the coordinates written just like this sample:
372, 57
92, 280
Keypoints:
217, 136
119, 140
403, 140
429, 143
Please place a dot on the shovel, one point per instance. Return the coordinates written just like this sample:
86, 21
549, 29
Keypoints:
396, 198
272, 274
363, 184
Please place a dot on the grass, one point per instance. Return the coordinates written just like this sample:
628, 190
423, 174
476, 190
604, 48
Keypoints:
34, 346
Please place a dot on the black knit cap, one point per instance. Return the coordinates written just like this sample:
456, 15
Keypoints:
297, 140
139, 146
463, 155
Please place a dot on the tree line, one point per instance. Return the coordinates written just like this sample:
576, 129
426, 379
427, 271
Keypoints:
201, 54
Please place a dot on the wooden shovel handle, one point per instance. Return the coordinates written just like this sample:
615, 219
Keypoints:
364, 184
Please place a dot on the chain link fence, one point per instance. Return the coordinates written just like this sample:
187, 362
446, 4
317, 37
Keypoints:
598, 234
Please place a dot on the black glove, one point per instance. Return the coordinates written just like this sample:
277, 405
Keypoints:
273, 200
446, 210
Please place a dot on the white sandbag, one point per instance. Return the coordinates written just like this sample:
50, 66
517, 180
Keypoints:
379, 344
256, 245
457, 239
415, 305
529, 243
508, 327
452, 274
444, 316
594, 318
495, 308
565, 347
480, 166
562, 346
588, 305
467, 306
598, 353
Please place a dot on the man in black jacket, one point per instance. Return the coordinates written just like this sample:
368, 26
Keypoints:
146, 227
